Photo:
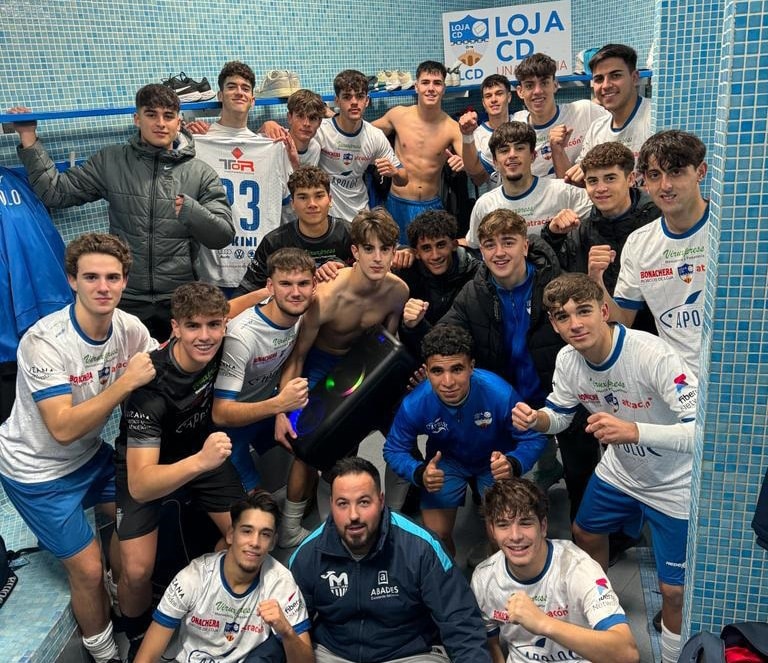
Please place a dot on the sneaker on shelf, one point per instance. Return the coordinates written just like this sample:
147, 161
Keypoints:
204, 88
379, 81
393, 82
186, 89
294, 81
277, 83
405, 79
389, 82
453, 77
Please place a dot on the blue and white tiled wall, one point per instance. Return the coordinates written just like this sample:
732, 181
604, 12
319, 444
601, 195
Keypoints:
65, 54
713, 73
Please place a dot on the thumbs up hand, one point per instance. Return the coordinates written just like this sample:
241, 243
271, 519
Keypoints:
434, 477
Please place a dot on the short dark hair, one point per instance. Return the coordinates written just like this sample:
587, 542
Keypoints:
198, 298
432, 224
577, 287
538, 65
354, 465
512, 133
235, 68
621, 51
606, 155
261, 501
447, 340
155, 95
376, 222
97, 243
495, 80
350, 80
501, 221
308, 103
672, 149
309, 177
512, 498
290, 259
431, 67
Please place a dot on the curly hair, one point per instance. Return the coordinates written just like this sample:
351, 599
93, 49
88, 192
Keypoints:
606, 155
97, 243
309, 177
672, 149
512, 498
156, 95
447, 340
350, 80
198, 298
235, 68
432, 224
512, 133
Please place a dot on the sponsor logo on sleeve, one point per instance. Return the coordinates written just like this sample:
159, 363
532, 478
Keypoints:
294, 604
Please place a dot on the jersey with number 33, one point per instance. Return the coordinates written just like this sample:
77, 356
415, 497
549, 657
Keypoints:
254, 171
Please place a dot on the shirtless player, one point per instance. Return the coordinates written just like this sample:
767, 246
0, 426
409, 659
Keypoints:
424, 137
360, 297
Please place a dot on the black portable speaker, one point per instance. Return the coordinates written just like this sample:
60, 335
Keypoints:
354, 398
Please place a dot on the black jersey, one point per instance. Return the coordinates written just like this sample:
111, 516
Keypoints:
173, 411
336, 245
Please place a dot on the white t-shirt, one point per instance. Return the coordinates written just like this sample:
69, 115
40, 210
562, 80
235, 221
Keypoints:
537, 205
215, 624
578, 115
345, 157
254, 171
572, 587
254, 351
56, 358
667, 271
635, 131
643, 380
310, 156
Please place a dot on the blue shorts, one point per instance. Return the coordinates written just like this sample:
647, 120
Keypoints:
454, 490
606, 509
55, 510
261, 437
318, 365
404, 211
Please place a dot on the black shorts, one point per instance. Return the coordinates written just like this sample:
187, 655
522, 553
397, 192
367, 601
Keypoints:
214, 491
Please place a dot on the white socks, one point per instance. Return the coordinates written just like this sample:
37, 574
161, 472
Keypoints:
102, 645
670, 645
291, 531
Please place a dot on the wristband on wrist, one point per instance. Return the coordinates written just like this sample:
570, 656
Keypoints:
467, 139
517, 468
418, 475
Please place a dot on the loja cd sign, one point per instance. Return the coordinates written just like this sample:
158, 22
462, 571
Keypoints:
494, 41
